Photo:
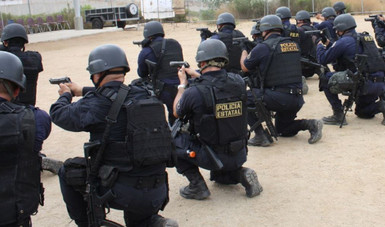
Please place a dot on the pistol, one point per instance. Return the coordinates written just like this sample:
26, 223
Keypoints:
139, 43
202, 29
179, 64
60, 80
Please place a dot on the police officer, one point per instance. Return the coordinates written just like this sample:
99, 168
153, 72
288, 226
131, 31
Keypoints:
256, 34
161, 51
339, 7
277, 60
23, 130
224, 131
329, 14
141, 191
379, 31
226, 32
343, 52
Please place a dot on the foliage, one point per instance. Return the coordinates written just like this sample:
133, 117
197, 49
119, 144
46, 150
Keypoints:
207, 15
249, 8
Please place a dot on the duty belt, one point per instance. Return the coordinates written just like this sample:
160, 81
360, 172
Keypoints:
292, 91
143, 182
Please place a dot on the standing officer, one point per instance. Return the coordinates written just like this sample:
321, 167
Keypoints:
23, 130
215, 107
277, 60
343, 51
141, 190
226, 33
161, 51
339, 7
14, 38
329, 14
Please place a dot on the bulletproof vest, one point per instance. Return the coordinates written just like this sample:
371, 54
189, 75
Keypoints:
283, 66
19, 164
308, 48
32, 67
234, 51
224, 120
374, 61
148, 137
172, 52
292, 32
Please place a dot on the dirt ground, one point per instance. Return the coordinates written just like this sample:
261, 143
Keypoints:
338, 181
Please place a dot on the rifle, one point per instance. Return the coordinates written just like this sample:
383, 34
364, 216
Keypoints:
212, 155
263, 115
175, 128
152, 70
60, 80
312, 63
358, 81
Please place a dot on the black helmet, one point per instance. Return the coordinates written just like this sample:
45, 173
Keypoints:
255, 29
11, 69
283, 12
339, 6
270, 22
344, 22
328, 12
226, 18
302, 15
106, 57
211, 49
14, 30
152, 28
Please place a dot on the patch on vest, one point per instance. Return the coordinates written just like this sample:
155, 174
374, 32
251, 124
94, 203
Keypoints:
294, 34
227, 110
289, 47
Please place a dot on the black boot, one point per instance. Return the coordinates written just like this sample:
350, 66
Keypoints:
159, 221
315, 129
249, 180
260, 139
335, 119
197, 189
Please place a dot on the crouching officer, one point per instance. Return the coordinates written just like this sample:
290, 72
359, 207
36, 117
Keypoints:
343, 52
215, 107
277, 61
133, 163
21, 190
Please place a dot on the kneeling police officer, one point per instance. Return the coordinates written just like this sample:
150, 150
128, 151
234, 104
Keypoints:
214, 104
140, 182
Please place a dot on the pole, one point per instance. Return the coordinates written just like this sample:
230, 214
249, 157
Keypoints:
312, 5
362, 6
29, 9
78, 20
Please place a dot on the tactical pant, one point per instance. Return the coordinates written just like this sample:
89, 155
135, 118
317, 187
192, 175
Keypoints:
167, 96
333, 99
26, 223
231, 162
366, 105
286, 107
138, 204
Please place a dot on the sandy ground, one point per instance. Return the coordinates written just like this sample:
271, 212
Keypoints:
338, 181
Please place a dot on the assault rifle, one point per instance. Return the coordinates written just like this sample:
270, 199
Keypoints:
175, 128
358, 82
324, 34
263, 115
61, 80
179, 64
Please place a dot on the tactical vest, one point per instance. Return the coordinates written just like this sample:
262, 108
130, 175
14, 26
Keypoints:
19, 164
172, 52
374, 61
283, 66
32, 66
234, 51
148, 137
292, 32
308, 48
224, 120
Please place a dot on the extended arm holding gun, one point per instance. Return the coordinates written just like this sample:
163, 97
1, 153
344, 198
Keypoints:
179, 64
205, 33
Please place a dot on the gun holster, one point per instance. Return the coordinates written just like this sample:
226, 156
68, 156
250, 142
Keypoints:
76, 173
108, 175
158, 88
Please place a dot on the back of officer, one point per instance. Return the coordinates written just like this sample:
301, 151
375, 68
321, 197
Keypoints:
141, 189
20, 188
214, 104
343, 52
226, 33
277, 60
339, 7
328, 14
14, 38
161, 51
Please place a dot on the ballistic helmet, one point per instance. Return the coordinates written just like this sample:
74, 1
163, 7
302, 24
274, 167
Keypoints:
328, 12
339, 6
211, 49
270, 22
14, 30
344, 22
283, 12
226, 18
152, 28
106, 57
341, 82
302, 15
255, 29
11, 69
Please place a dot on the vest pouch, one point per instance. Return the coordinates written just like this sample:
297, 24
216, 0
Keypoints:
76, 172
208, 129
108, 175
236, 146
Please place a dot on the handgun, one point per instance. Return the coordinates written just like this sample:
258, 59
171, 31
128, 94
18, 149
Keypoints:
61, 80
179, 64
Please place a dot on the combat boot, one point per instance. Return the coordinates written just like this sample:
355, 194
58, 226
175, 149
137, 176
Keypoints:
335, 119
260, 138
51, 165
249, 180
305, 87
159, 221
315, 129
197, 189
